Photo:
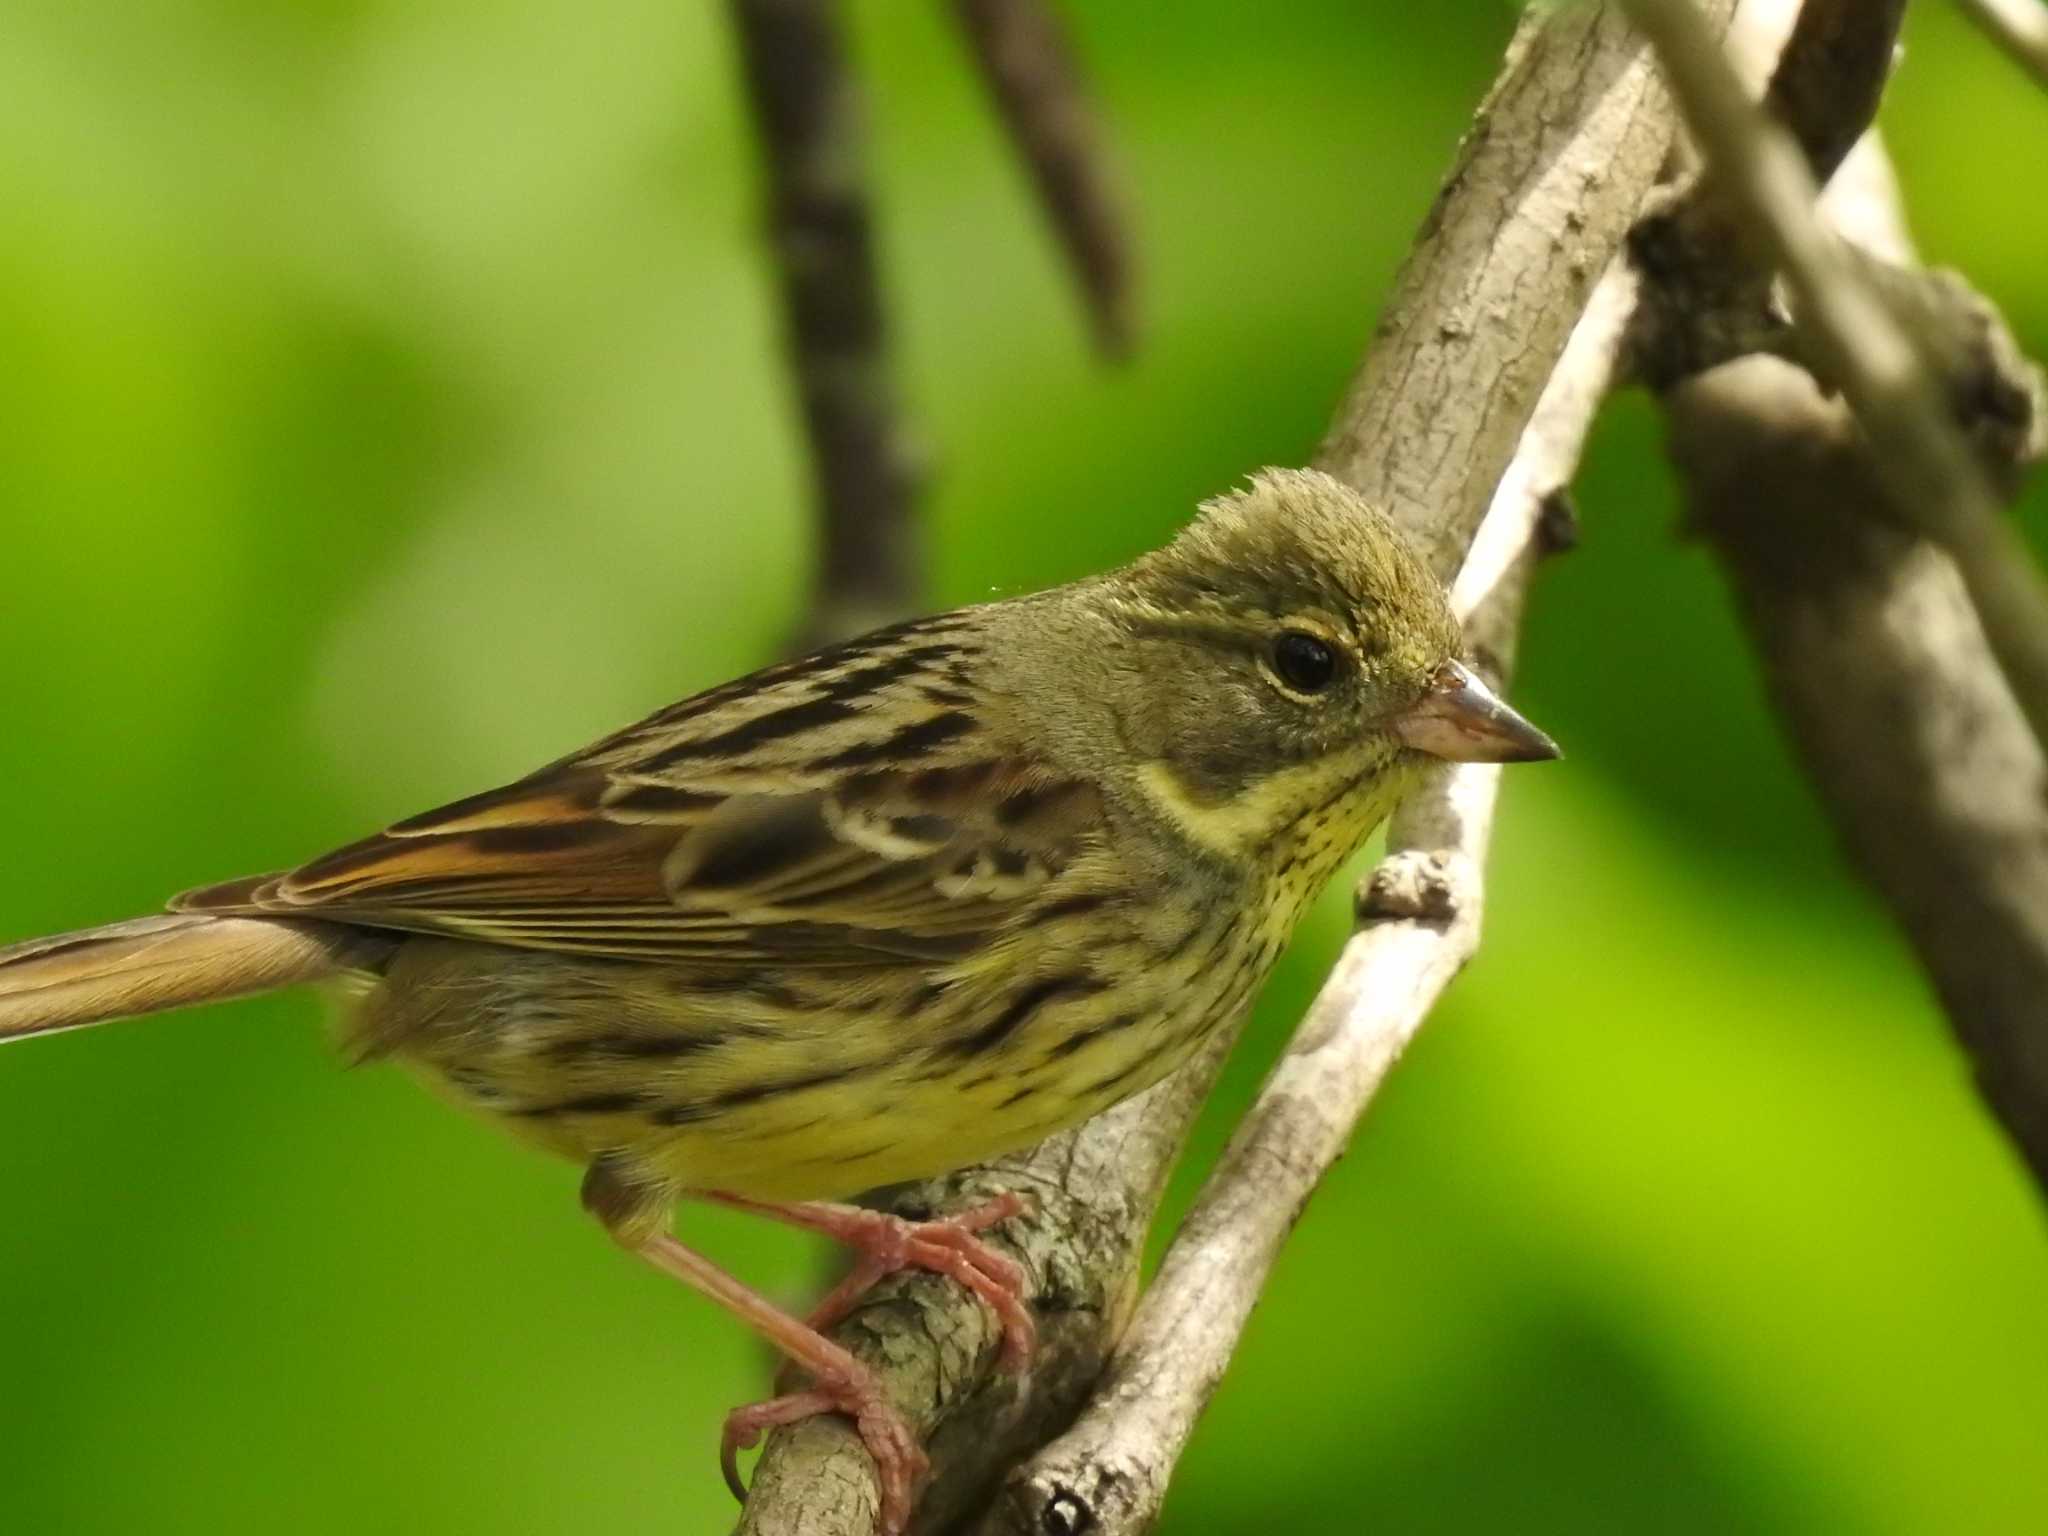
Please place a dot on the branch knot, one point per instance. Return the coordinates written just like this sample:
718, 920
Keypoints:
1414, 885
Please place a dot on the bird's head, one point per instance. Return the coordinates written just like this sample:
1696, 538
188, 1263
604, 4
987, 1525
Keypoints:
1289, 657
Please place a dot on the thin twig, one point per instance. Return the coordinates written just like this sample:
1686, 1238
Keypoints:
1032, 73
1421, 909
1931, 476
807, 115
2020, 27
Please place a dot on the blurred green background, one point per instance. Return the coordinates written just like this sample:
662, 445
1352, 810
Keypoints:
390, 400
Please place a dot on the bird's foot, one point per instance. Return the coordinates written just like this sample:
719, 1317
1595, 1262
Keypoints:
887, 1243
853, 1391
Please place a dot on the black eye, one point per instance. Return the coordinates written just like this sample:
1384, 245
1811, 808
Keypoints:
1305, 663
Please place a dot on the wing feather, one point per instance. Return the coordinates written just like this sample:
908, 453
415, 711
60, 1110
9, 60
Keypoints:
847, 808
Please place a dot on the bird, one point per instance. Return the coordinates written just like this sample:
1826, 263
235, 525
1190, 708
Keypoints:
874, 914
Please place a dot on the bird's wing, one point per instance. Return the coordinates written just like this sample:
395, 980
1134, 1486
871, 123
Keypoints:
852, 807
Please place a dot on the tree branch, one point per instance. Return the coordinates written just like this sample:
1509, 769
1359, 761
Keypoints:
1879, 666
808, 118
1877, 662
1571, 136
2020, 27
1545, 185
1930, 474
1831, 76
1031, 71
1093, 1191
1420, 912
1710, 301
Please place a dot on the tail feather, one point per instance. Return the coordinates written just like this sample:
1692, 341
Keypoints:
150, 964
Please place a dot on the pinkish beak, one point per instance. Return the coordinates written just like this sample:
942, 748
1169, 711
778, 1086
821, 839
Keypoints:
1464, 721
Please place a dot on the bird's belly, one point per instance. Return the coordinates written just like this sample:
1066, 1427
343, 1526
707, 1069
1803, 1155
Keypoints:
809, 1088
930, 1110
827, 1140
895, 1126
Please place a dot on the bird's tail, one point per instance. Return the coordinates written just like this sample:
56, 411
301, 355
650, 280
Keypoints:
152, 963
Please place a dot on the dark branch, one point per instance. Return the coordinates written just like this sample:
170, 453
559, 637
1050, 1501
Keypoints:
1710, 295
1832, 75
807, 114
1032, 73
1709, 298
1871, 648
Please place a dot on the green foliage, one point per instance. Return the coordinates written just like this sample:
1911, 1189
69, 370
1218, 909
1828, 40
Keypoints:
392, 400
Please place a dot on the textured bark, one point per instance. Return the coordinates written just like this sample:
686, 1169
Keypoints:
808, 119
1546, 184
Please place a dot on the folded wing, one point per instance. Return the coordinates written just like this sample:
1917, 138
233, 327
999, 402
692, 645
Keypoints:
852, 807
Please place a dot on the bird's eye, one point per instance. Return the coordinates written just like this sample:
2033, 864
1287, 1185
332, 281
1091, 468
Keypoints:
1305, 662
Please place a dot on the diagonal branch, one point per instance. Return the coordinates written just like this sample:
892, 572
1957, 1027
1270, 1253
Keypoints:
1559, 158
1930, 475
1031, 71
864, 476
1831, 75
2020, 27
1568, 141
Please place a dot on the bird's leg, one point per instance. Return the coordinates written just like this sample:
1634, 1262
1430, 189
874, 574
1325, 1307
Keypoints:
886, 1243
840, 1383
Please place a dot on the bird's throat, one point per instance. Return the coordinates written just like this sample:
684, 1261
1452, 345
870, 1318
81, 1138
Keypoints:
1306, 818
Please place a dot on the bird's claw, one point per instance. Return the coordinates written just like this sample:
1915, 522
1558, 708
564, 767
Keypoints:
899, 1460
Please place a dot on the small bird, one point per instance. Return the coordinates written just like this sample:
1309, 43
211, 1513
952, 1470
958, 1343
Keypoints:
885, 911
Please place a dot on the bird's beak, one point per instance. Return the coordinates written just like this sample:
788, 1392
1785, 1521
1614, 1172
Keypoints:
1463, 720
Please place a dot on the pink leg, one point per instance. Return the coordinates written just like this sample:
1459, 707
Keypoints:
842, 1384
887, 1243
